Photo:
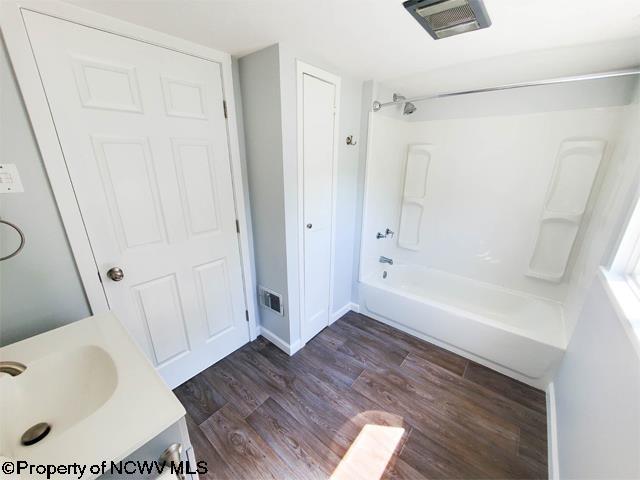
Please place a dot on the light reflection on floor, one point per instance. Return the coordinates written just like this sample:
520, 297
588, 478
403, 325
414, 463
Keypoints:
369, 453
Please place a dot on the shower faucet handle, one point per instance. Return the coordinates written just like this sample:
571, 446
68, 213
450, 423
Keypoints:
387, 233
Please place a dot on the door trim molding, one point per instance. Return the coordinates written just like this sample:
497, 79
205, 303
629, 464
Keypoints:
303, 68
26, 71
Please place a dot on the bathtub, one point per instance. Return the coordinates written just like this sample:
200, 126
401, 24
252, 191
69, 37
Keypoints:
503, 329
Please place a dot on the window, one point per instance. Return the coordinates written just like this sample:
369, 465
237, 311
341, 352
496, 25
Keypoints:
632, 272
623, 277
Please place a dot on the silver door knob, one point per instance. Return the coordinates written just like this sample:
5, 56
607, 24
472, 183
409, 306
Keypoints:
116, 274
309, 225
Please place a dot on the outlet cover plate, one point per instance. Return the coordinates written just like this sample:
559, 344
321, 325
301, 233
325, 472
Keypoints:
10, 179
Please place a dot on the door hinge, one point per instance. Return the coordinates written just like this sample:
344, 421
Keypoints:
246, 315
237, 226
224, 107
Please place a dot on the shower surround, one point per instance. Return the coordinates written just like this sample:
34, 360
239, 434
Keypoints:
469, 200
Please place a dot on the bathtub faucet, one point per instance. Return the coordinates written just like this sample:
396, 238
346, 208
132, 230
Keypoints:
386, 260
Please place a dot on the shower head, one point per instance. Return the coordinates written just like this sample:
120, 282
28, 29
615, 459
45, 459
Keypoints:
409, 108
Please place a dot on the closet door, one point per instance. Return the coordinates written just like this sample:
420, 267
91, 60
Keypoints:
319, 97
144, 137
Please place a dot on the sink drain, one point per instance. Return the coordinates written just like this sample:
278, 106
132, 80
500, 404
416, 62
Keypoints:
36, 433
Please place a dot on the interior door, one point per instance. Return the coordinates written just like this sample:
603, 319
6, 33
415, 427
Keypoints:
318, 117
144, 137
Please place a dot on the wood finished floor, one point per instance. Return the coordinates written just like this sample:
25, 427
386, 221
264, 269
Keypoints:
260, 414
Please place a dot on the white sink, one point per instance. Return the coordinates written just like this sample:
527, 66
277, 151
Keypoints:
88, 380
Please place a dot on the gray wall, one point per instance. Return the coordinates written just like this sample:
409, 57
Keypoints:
348, 221
346, 176
40, 288
269, 101
598, 397
597, 386
260, 92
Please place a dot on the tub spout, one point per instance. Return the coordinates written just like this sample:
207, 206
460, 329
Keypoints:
386, 260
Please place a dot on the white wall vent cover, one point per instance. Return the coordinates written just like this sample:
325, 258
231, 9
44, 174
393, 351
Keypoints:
414, 195
270, 300
569, 191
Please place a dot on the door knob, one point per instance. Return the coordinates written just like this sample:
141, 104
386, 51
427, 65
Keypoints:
116, 274
309, 225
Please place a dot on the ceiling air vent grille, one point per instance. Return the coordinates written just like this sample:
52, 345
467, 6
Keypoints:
445, 18
448, 18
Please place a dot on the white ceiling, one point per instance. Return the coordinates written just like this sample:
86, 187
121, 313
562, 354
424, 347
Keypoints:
378, 39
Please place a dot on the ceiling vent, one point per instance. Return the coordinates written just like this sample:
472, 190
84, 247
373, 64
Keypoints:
445, 18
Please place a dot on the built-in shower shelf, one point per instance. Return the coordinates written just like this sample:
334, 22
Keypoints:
414, 195
571, 185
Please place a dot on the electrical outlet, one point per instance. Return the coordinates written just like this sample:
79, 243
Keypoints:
10, 179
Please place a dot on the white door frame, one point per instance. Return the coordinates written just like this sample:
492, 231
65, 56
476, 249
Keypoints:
26, 71
303, 68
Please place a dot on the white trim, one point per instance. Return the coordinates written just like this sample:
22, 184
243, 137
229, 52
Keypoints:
627, 251
625, 303
26, 71
349, 307
286, 347
552, 433
242, 208
301, 69
339, 313
365, 192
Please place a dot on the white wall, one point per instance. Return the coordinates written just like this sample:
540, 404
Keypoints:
610, 212
486, 186
598, 397
549, 98
40, 288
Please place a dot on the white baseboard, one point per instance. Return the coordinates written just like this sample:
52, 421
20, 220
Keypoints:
286, 347
291, 348
341, 311
552, 433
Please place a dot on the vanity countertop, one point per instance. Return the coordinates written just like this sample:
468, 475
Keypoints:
93, 386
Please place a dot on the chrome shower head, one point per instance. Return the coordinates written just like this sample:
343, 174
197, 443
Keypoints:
409, 108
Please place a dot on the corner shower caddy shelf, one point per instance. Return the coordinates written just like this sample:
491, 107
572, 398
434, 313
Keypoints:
571, 185
414, 195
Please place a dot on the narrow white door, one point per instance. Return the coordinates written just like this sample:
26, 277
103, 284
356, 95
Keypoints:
144, 137
318, 127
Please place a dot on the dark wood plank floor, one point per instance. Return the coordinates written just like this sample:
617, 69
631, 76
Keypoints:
262, 414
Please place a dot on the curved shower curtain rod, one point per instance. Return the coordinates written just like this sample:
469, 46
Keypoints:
511, 86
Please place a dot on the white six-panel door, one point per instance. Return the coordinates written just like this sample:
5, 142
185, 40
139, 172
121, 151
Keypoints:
144, 137
318, 149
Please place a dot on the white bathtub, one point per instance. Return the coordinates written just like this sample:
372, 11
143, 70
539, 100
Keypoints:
507, 330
